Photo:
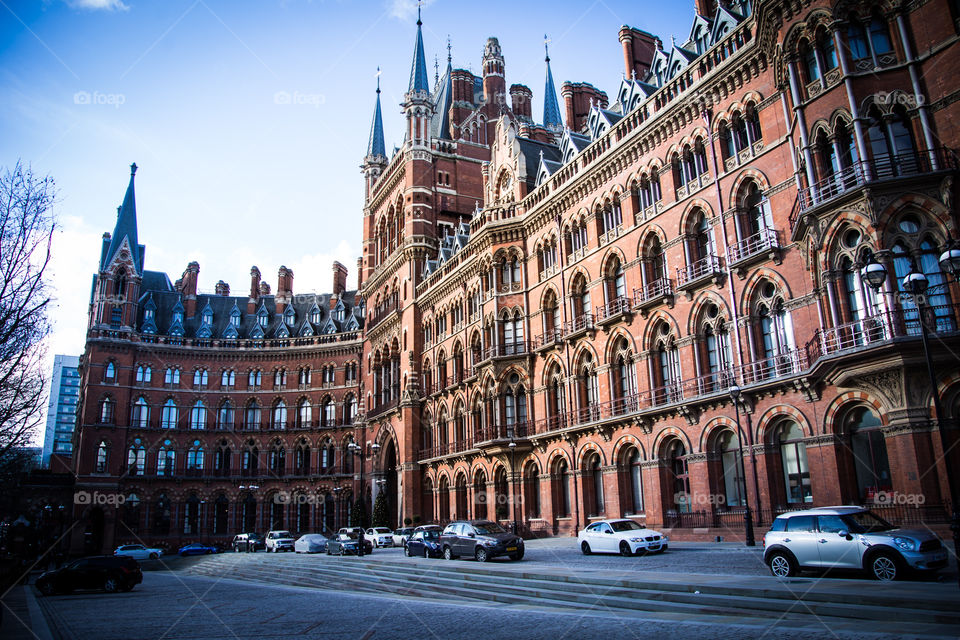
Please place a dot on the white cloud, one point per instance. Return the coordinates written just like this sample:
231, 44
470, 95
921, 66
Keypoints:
405, 9
315, 272
98, 5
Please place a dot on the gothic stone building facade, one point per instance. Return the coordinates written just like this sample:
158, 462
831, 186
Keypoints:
648, 305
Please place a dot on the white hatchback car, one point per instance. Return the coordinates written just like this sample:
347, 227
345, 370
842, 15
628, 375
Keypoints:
138, 552
622, 536
380, 536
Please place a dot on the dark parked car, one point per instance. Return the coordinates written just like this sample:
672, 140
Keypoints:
110, 573
346, 544
425, 542
197, 549
480, 539
248, 542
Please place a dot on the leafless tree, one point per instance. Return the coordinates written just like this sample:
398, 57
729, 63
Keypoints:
26, 232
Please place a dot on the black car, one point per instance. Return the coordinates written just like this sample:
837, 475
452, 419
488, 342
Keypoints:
248, 542
480, 539
425, 541
346, 544
110, 573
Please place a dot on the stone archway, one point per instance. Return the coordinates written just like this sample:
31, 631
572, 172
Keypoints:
391, 481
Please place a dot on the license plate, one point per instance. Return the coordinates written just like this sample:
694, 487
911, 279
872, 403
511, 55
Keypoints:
511, 548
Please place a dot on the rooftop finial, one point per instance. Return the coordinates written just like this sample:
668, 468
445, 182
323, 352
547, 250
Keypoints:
419, 3
436, 68
449, 47
378, 78
546, 47
133, 169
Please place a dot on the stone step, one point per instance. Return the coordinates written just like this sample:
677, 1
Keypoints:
510, 586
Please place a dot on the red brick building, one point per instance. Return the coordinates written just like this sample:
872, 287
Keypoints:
557, 312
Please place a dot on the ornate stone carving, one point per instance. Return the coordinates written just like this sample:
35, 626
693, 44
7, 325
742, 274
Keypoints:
887, 384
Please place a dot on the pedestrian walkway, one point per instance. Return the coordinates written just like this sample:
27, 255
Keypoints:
22, 617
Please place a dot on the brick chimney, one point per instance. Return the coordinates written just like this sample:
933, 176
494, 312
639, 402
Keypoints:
705, 8
639, 48
520, 102
578, 97
284, 288
222, 288
359, 273
264, 288
254, 290
188, 287
339, 279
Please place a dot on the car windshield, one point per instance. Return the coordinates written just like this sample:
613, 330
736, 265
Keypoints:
625, 525
866, 522
430, 535
283, 534
348, 536
254, 536
486, 528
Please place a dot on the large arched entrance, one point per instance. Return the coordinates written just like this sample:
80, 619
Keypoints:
391, 484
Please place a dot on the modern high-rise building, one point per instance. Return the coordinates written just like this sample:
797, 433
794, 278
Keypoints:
671, 303
62, 407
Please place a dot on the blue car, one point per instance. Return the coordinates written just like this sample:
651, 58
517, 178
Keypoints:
197, 549
425, 541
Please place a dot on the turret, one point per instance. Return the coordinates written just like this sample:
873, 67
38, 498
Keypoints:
494, 85
551, 108
416, 102
376, 160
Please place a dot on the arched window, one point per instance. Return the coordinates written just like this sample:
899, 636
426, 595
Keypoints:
169, 415
304, 414
252, 415
550, 312
654, 270
808, 61
103, 457
593, 485
869, 452
773, 329
277, 458
166, 459
793, 460
328, 412
857, 40
891, 143
144, 374
879, 36
327, 457
110, 373
200, 378
248, 513
225, 415
665, 366
221, 512
221, 459
556, 397
279, 417
141, 414
755, 214
715, 352
580, 298
560, 481
728, 448
161, 516
349, 409
531, 491
588, 390
631, 481
480, 496
624, 378
198, 415
279, 378
250, 459
301, 459
678, 477
827, 50
228, 378
616, 281
195, 457
254, 379
515, 408
171, 376
136, 458
700, 242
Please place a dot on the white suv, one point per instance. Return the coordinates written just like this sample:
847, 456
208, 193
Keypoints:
381, 536
848, 538
279, 541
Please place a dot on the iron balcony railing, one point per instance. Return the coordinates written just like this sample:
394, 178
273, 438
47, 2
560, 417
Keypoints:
751, 246
620, 304
583, 322
654, 290
708, 266
547, 338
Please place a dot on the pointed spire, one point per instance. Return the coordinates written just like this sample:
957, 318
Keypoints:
126, 229
551, 108
376, 146
419, 81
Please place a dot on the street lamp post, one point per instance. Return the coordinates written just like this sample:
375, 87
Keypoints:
513, 478
750, 540
915, 285
357, 450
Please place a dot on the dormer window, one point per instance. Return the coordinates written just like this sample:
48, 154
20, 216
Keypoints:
289, 316
148, 314
315, 316
178, 316
208, 317
235, 319
263, 319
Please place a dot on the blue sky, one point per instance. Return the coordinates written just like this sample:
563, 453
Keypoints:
249, 119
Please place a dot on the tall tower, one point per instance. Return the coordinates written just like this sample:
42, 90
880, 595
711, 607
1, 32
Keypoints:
551, 108
117, 288
494, 84
416, 102
376, 159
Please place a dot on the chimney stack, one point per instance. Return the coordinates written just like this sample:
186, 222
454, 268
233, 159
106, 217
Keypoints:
639, 48
254, 290
284, 288
264, 288
359, 273
578, 98
188, 287
339, 279
521, 98
222, 288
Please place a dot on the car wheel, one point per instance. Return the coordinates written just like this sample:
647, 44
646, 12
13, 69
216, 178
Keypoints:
481, 554
154, 556
625, 549
328, 552
585, 548
782, 565
516, 556
426, 552
46, 588
111, 584
885, 566
448, 554
209, 551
